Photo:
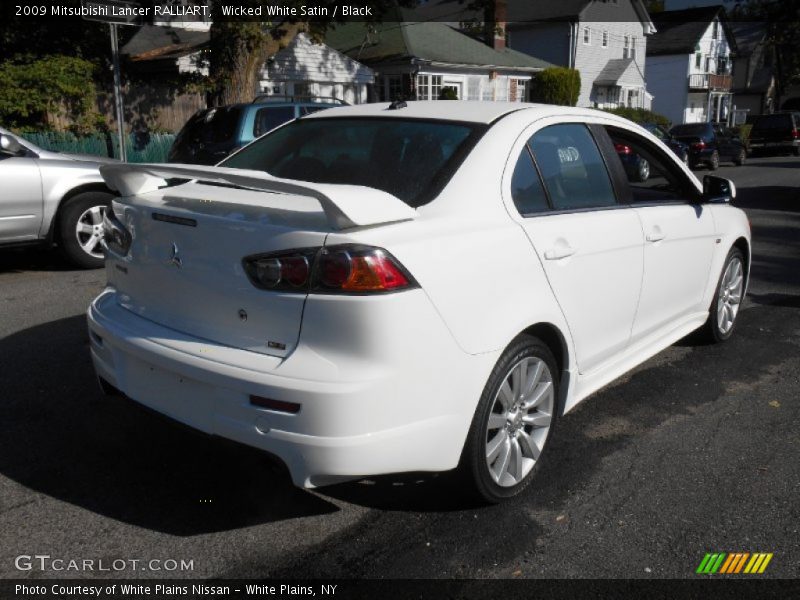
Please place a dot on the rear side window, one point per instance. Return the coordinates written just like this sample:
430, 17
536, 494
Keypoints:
774, 122
526, 186
269, 118
572, 167
695, 129
213, 126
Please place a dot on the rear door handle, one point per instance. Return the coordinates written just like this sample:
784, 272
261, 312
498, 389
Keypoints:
656, 235
559, 252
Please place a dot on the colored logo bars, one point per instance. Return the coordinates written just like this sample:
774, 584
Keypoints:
734, 562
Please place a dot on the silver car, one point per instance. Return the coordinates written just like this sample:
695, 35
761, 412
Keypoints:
50, 197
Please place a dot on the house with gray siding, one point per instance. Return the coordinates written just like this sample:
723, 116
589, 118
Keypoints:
422, 60
690, 63
605, 40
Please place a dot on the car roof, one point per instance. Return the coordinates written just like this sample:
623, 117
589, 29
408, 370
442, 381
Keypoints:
448, 110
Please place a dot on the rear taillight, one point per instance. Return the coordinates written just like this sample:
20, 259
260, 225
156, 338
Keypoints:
698, 145
115, 236
622, 149
344, 269
795, 134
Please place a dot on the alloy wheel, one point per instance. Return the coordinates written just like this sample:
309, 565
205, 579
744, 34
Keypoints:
519, 422
730, 295
89, 231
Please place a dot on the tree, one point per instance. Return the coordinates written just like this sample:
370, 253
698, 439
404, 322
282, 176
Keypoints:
782, 22
239, 49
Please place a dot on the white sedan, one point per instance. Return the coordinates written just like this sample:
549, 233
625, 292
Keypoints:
410, 287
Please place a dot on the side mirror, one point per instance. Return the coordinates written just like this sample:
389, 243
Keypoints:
718, 190
10, 145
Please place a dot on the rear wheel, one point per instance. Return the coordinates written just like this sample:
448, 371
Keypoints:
643, 171
727, 298
713, 162
81, 228
740, 158
513, 421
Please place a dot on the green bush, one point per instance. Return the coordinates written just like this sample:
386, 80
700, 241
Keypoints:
43, 93
557, 85
641, 115
448, 93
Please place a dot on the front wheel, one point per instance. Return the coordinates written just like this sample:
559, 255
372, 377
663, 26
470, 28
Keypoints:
81, 228
727, 298
513, 421
643, 171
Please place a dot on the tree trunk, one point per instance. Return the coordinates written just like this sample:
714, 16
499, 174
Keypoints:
239, 51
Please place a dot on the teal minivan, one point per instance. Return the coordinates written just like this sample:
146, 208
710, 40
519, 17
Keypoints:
212, 134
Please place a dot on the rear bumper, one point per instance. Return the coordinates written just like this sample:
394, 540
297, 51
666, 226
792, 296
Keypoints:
771, 145
357, 418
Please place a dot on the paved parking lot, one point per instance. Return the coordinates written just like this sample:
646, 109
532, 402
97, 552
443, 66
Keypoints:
696, 451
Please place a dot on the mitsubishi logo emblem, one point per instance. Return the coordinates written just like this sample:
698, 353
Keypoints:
175, 258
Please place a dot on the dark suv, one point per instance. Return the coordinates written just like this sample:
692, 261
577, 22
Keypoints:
710, 143
778, 132
213, 133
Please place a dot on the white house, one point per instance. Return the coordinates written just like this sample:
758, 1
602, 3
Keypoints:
305, 68
689, 64
605, 40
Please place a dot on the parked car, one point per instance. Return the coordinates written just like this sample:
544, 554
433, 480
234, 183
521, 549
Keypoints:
779, 132
52, 197
212, 134
637, 168
709, 144
680, 149
418, 286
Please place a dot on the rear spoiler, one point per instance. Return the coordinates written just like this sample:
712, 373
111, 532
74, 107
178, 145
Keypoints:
345, 206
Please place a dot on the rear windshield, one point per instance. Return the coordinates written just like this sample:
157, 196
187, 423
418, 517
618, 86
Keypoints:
774, 122
691, 129
411, 159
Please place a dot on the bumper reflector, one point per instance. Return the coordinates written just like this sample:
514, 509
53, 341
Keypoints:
278, 405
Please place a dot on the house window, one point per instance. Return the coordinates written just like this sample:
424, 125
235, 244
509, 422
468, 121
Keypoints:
626, 46
698, 60
516, 90
587, 36
429, 87
715, 34
632, 52
394, 87
605, 39
708, 64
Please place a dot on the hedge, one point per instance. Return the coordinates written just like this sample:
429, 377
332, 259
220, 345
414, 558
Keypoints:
641, 115
557, 85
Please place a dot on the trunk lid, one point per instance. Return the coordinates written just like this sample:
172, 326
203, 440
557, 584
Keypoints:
184, 267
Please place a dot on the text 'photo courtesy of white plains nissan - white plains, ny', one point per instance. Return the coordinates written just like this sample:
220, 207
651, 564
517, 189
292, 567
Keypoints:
419, 286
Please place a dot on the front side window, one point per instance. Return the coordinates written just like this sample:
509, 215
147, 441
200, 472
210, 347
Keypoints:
652, 175
572, 167
411, 159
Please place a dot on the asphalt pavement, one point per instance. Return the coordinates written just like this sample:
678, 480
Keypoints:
695, 451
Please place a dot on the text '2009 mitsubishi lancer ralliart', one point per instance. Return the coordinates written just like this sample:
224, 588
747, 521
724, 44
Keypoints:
409, 287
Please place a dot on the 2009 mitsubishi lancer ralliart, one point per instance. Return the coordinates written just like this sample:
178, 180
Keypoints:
410, 287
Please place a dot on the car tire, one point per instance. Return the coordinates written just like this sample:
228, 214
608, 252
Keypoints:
506, 439
643, 171
80, 228
685, 159
728, 298
713, 162
741, 158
